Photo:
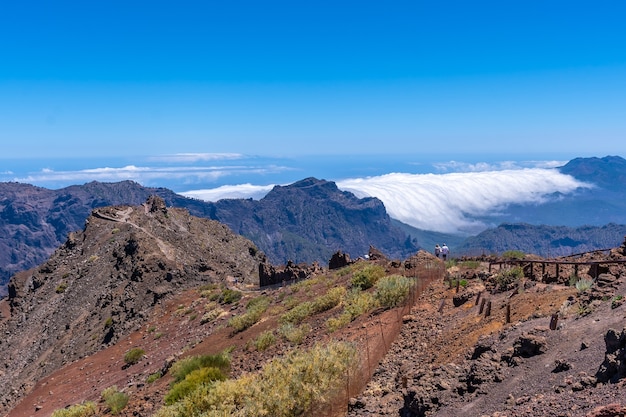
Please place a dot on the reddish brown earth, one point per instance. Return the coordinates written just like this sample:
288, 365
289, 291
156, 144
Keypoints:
439, 361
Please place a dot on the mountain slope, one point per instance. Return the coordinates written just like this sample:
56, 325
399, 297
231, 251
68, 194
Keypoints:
310, 220
303, 222
548, 241
105, 281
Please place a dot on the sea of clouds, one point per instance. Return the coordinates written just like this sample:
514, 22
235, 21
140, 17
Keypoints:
448, 203
454, 199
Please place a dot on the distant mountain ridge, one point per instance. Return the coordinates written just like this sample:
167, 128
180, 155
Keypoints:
543, 240
303, 222
310, 219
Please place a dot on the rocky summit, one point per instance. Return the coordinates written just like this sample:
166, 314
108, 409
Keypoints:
104, 281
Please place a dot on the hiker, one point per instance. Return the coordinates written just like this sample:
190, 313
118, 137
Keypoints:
437, 250
444, 251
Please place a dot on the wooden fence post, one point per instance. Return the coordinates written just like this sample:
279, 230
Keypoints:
482, 306
488, 309
553, 321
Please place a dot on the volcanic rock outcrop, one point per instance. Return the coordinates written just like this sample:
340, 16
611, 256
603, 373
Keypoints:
104, 281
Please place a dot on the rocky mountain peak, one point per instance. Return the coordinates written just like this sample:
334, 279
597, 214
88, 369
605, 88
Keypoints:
106, 279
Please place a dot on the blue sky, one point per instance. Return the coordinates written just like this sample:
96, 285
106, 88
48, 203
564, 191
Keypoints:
208, 94
130, 78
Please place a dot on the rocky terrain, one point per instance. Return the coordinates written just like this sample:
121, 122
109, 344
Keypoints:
562, 352
303, 222
155, 278
104, 283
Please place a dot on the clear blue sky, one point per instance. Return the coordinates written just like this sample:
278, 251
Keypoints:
111, 78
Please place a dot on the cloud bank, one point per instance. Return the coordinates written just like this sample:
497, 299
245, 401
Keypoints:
230, 191
449, 203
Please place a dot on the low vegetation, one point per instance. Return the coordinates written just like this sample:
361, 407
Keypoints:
323, 303
514, 254
114, 399
509, 278
87, 409
297, 381
367, 276
133, 356
254, 310
392, 291
192, 372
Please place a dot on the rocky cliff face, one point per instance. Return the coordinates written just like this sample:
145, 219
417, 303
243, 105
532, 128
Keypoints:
304, 222
310, 220
105, 280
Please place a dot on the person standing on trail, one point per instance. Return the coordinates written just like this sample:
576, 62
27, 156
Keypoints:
437, 250
444, 251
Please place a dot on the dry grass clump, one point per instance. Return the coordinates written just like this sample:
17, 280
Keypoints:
285, 387
87, 409
323, 303
114, 399
254, 310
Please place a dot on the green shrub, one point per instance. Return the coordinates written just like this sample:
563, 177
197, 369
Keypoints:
134, 355
254, 310
264, 340
211, 315
366, 277
61, 288
392, 291
514, 254
584, 284
509, 278
192, 381
359, 302
87, 409
616, 301
153, 377
335, 323
323, 303
229, 296
290, 302
470, 264
185, 366
114, 399
294, 334
296, 382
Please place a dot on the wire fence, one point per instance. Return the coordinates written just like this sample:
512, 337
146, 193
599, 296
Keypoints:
380, 329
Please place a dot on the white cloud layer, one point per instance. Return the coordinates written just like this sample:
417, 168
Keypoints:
146, 175
449, 202
230, 191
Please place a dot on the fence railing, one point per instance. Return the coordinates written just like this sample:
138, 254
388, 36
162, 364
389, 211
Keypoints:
381, 328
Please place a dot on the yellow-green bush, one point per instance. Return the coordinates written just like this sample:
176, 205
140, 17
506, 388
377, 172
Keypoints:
192, 381
286, 386
367, 276
294, 334
356, 302
114, 399
180, 369
254, 310
133, 356
323, 303
392, 291
509, 278
87, 409
264, 340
